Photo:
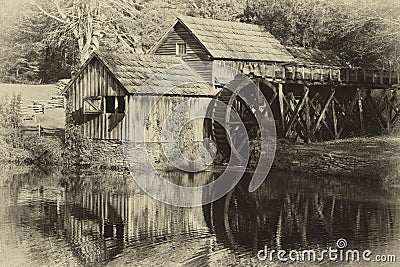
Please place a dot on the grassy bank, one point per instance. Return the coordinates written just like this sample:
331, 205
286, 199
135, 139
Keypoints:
372, 158
19, 147
33, 150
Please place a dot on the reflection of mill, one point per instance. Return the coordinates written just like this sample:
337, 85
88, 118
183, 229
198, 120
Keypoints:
94, 225
297, 218
100, 225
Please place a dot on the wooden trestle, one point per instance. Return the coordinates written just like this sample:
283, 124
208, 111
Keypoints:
316, 104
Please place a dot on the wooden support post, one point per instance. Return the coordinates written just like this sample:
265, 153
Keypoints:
376, 111
389, 111
321, 114
258, 95
295, 113
281, 107
334, 119
294, 69
274, 71
373, 76
361, 112
312, 74
307, 115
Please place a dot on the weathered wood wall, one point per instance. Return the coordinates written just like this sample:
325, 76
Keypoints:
161, 109
194, 50
96, 80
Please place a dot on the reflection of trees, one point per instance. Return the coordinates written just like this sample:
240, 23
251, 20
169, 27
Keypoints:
289, 214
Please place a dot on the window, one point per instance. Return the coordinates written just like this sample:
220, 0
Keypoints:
180, 49
110, 104
92, 105
115, 104
121, 104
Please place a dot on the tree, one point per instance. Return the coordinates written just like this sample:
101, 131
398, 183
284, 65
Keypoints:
155, 17
294, 22
26, 53
369, 32
229, 10
366, 33
86, 21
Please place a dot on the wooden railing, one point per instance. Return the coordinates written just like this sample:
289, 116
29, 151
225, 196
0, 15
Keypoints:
317, 74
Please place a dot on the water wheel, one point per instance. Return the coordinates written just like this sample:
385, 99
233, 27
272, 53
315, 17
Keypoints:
222, 113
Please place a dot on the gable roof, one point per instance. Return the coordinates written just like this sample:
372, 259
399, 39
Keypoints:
151, 74
233, 40
316, 57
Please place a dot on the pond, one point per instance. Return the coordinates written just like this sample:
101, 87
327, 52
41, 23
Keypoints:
99, 219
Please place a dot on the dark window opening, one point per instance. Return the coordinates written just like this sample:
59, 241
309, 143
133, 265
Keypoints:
121, 104
110, 104
180, 49
115, 104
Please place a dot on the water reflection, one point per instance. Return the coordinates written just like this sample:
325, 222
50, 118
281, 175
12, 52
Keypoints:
296, 214
99, 219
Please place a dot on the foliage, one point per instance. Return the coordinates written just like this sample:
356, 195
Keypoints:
363, 33
10, 112
42, 150
229, 10
43, 41
26, 52
154, 18
85, 22
296, 23
368, 32
15, 147
76, 145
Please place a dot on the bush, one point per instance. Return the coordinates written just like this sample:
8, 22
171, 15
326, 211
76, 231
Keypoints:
43, 150
17, 148
11, 154
76, 146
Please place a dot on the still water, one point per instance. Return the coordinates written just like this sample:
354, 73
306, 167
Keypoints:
98, 219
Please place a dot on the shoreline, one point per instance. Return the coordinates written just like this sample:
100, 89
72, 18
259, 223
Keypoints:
371, 158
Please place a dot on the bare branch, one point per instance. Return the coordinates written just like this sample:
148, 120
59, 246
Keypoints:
47, 13
60, 11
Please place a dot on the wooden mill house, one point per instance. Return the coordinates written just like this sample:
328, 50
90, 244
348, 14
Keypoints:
105, 100
313, 95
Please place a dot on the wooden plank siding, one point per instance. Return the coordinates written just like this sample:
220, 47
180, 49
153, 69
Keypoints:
96, 80
161, 108
194, 50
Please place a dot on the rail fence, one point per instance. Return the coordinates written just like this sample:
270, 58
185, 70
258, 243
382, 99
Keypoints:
42, 131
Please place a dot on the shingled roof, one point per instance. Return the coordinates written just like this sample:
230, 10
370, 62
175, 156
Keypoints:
151, 74
235, 40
